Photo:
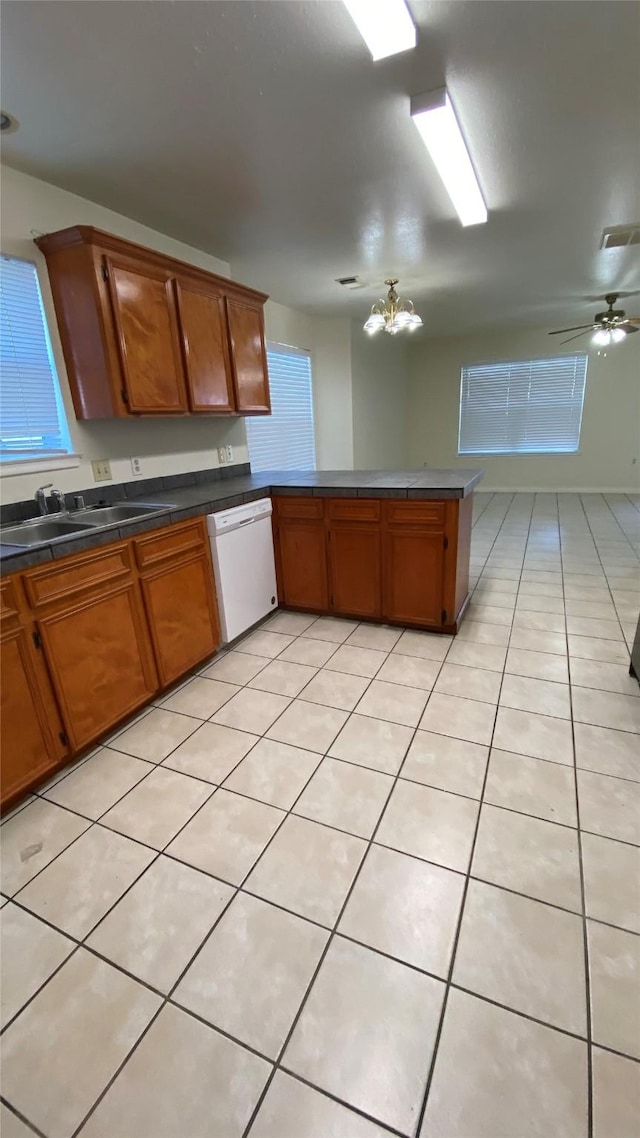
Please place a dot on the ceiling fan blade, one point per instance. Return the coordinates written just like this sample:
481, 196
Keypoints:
633, 320
578, 327
583, 333
634, 326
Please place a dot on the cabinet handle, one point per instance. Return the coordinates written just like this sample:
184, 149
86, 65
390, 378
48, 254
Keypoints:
37, 639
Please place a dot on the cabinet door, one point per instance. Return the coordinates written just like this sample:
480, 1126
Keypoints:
98, 653
30, 728
302, 565
203, 322
182, 615
414, 577
248, 357
148, 338
354, 570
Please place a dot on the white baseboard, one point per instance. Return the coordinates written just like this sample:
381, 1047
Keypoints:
482, 489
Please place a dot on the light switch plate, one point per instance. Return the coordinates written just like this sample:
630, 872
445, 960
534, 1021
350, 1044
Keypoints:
101, 470
222, 455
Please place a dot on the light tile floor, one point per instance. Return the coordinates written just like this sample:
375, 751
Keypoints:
353, 881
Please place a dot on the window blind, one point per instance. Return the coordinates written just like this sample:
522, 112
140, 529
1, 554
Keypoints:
285, 439
522, 406
32, 420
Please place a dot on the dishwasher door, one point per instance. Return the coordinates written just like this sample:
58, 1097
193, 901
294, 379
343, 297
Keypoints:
244, 566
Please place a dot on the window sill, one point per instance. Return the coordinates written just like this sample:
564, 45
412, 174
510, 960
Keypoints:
9, 467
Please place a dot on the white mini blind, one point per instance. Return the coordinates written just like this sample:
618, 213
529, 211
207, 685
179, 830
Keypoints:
32, 420
522, 406
285, 440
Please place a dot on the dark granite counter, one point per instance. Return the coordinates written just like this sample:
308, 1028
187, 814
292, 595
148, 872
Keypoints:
208, 497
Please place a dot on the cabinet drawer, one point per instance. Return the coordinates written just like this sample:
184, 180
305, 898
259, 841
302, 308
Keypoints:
169, 543
76, 574
425, 513
354, 510
305, 507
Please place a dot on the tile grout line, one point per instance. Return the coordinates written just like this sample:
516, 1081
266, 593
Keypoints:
448, 982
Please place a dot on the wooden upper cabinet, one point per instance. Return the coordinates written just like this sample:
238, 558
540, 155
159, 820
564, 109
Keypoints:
248, 357
148, 338
203, 323
145, 334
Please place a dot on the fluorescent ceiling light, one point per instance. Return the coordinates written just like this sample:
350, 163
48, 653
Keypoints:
385, 25
435, 118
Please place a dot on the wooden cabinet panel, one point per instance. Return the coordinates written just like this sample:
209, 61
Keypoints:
58, 582
353, 509
203, 322
302, 565
422, 513
248, 357
167, 544
145, 318
182, 614
413, 577
302, 507
355, 570
31, 739
98, 654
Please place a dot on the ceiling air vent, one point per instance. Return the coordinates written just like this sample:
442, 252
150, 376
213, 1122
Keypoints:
351, 282
620, 235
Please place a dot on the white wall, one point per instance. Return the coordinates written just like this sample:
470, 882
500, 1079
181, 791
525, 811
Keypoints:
166, 446
379, 376
610, 438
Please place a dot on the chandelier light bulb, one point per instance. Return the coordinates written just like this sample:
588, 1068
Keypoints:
602, 338
618, 335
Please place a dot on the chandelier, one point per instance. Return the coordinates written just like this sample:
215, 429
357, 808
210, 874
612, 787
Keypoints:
392, 314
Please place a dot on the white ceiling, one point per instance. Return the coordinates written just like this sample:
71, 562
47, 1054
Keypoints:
263, 133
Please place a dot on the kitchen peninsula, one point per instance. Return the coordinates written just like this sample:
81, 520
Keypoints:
102, 615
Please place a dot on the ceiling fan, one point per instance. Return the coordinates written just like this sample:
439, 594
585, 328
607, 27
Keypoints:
610, 327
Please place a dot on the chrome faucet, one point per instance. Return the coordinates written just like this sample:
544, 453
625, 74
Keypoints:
41, 498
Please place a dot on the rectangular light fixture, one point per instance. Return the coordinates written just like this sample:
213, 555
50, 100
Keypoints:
385, 25
436, 120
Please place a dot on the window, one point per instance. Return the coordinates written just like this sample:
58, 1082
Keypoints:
32, 418
284, 440
522, 406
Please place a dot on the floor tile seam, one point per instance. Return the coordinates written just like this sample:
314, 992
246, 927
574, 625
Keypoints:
583, 894
166, 998
625, 536
22, 1117
333, 931
465, 891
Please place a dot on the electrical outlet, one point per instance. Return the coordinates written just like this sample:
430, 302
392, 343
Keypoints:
136, 467
229, 450
222, 455
101, 470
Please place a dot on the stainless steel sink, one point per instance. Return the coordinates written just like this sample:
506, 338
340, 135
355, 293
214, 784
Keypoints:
118, 512
45, 529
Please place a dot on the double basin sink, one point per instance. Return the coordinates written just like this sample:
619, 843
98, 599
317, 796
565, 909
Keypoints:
65, 525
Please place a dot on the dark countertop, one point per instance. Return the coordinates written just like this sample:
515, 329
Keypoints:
210, 497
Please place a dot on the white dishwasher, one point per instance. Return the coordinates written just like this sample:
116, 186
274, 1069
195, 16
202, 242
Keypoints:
244, 565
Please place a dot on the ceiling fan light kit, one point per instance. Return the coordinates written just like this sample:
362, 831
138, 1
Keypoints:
609, 327
392, 315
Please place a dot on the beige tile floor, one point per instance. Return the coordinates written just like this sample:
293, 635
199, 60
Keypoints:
353, 881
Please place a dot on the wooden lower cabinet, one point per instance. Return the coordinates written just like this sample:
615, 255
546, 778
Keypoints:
301, 559
87, 640
98, 655
179, 597
413, 578
31, 735
398, 560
